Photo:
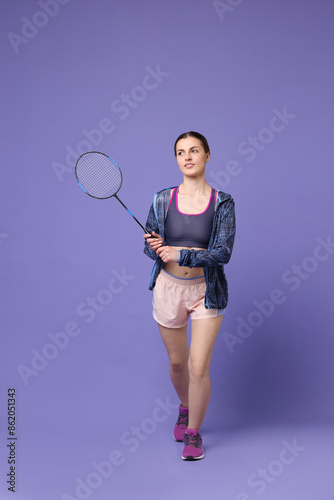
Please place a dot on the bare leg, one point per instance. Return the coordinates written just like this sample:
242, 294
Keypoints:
176, 343
203, 335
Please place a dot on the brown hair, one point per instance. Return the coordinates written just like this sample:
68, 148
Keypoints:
198, 136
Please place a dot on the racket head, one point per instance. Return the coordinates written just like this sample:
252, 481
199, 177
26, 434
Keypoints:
98, 175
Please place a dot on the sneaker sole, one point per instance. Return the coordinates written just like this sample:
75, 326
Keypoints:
191, 459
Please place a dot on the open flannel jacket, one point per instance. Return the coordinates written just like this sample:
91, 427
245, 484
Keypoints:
213, 259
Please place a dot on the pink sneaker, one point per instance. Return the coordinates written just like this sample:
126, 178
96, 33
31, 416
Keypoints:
181, 424
193, 449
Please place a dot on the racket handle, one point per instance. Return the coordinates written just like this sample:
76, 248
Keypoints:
126, 208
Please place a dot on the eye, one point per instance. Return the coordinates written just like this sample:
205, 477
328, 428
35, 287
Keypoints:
195, 150
180, 153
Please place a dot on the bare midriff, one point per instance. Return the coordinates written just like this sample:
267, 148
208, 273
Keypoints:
184, 272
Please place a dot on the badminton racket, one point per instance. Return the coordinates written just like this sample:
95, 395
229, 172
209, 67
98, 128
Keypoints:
100, 177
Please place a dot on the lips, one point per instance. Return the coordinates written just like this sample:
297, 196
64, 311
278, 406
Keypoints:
189, 165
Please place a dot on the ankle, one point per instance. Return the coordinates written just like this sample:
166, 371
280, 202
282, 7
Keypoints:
193, 426
191, 431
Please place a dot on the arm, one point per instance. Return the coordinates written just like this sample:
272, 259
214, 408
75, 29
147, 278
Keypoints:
221, 250
152, 244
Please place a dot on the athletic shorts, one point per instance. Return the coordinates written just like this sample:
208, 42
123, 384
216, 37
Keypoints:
175, 299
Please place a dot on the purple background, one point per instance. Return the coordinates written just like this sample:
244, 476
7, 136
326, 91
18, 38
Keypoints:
226, 72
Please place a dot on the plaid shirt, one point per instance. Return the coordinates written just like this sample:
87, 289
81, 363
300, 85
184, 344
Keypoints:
212, 260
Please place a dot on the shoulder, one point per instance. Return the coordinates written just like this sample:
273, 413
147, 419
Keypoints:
164, 194
225, 207
223, 197
165, 190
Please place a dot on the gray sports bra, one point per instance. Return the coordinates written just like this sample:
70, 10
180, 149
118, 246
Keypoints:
188, 230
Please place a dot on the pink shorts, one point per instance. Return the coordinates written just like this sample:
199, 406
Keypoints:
175, 299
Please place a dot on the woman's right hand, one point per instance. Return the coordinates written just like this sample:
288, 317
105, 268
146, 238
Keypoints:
155, 242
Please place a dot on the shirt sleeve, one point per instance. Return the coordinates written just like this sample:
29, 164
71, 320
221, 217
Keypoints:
151, 225
221, 249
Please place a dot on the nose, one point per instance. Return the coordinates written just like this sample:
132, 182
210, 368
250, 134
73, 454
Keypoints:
188, 156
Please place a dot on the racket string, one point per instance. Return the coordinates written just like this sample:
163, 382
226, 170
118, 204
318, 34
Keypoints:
98, 175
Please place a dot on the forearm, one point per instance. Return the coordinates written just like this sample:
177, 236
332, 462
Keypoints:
204, 258
149, 252
151, 244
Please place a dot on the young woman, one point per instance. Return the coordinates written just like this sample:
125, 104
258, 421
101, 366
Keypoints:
192, 230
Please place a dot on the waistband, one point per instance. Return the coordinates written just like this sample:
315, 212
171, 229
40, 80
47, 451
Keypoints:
197, 280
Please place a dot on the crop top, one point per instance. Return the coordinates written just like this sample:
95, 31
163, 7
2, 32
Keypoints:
189, 230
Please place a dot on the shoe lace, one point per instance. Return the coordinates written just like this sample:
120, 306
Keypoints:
193, 440
182, 420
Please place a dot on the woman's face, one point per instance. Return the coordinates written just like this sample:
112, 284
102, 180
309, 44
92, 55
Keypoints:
191, 157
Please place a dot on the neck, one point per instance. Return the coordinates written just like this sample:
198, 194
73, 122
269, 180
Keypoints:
194, 186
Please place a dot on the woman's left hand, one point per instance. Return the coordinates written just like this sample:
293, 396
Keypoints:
168, 254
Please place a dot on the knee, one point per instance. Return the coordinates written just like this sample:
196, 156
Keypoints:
177, 364
198, 371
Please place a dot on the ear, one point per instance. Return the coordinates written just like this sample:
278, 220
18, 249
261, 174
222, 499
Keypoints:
208, 156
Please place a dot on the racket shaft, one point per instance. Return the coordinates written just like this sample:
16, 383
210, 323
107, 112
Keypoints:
126, 208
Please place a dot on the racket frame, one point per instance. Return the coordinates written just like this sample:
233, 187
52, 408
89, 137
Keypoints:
115, 193
84, 190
